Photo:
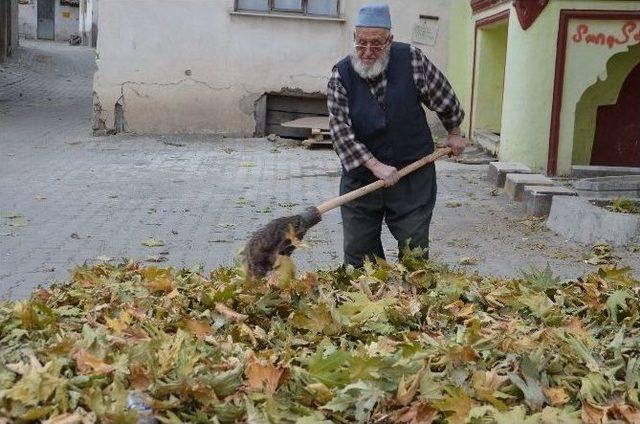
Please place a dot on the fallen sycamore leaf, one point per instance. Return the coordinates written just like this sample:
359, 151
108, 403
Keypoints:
140, 377
593, 414
229, 313
262, 375
152, 242
556, 396
65, 419
86, 363
417, 413
412, 342
198, 328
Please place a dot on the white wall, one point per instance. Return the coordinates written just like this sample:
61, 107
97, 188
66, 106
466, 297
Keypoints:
67, 21
192, 66
64, 25
88, 22
28, 19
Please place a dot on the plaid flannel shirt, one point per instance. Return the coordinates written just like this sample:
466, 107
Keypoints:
435, 92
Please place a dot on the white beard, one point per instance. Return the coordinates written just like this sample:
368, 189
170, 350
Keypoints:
373, 71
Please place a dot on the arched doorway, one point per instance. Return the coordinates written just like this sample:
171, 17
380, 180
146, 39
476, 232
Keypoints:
617, 136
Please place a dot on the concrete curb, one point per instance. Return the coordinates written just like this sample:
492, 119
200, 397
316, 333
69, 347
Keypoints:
577, 219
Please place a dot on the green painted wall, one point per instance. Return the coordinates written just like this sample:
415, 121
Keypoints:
490, 67
528, 82
603, 92
461, 54
528, 90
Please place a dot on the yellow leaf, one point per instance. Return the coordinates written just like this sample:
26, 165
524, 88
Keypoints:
556, 395
458, 403
161, 285
320, 392
285, 270
118, 325
158, 280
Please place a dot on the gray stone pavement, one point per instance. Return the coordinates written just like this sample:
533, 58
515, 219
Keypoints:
67, 197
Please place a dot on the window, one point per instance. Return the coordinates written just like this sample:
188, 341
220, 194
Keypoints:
304, 7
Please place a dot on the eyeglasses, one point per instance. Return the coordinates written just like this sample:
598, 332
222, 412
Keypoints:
375, 48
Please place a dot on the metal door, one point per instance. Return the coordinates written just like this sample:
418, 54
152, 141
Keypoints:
46, 14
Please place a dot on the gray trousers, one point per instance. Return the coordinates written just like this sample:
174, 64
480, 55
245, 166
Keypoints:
405, 207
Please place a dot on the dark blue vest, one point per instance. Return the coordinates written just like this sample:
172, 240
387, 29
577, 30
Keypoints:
395, 132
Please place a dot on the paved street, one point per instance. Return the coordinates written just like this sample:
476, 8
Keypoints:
67, 197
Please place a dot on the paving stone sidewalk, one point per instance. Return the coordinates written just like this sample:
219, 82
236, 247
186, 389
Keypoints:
67, 197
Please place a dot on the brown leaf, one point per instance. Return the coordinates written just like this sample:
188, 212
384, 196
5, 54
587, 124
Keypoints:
230, 314
262, 376
556, 395
574, 325
418, 413
489, 379
140, 377
461, 355
198, 328
309, 280
405, 394
86, 363
625, 412
460, 310
593, 414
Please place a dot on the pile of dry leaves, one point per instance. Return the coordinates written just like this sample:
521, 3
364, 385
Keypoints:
412, 342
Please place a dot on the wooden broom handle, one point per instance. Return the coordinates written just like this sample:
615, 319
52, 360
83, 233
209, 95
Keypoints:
362, 191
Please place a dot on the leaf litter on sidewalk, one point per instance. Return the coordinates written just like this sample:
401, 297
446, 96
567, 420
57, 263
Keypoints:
412, 342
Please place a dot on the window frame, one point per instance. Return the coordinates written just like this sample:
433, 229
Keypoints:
272, 10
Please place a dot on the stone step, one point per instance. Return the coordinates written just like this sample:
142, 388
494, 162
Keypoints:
499, 170
515, 183
487, 140
590, 171
537, 199
609, 187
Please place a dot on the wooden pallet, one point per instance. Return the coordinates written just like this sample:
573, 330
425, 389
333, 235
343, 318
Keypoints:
319, 126
319, 138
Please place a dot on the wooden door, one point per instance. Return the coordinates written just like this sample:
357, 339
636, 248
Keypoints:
617, 138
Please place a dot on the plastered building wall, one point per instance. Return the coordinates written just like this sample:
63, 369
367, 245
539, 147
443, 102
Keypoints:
195, 66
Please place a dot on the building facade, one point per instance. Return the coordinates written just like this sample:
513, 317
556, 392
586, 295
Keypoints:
238, 67
49, 19
551, 84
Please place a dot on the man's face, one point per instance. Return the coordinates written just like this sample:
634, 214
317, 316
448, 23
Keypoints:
372, 44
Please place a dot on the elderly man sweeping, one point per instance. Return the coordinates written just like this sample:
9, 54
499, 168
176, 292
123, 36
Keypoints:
378, 125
